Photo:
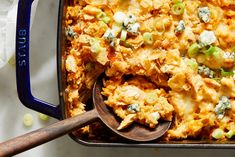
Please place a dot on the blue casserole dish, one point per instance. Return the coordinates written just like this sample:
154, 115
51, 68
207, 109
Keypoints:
59, 111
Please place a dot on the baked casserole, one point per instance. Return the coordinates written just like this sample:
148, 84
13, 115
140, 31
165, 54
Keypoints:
170, 60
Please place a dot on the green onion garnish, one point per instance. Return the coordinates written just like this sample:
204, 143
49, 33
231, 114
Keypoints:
209, 51
230, 134
28, 119
103, 17
213, 51
43, 117
217, 53
217, 133
178, 8
226, 73
123, 35
106, 19
193, 50
12, 60
148, 38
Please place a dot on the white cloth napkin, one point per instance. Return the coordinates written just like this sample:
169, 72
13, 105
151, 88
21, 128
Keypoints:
8, 13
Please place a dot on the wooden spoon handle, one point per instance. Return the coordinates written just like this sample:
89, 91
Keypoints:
43, 135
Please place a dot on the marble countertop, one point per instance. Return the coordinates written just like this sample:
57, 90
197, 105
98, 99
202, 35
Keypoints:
43, 63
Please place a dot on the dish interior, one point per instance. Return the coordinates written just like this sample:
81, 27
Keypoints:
171, 60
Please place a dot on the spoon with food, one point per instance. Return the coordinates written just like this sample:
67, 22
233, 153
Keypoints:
135, 132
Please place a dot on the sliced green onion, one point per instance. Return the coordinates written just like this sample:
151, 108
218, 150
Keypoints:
193, 50
217, 53
43, 117
178, 8
211, 50
226, 73
116, 28
101, 15
28, 119
106, 19
12, 60
230, 134
123, 35
217, 133
148, 38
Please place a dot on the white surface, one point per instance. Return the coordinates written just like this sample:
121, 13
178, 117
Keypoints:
8, 11
7, 29
44, 81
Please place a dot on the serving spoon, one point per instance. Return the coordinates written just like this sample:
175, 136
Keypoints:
135, 132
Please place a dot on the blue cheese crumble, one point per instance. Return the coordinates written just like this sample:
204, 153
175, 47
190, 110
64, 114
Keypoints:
131, 19
129, 23
207, 38
203, 70
222, 106
204, 14
228, 55
133, 108
133, 28
69, 32
109, 35
181, 27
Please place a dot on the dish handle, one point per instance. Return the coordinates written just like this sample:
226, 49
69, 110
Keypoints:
22, 63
